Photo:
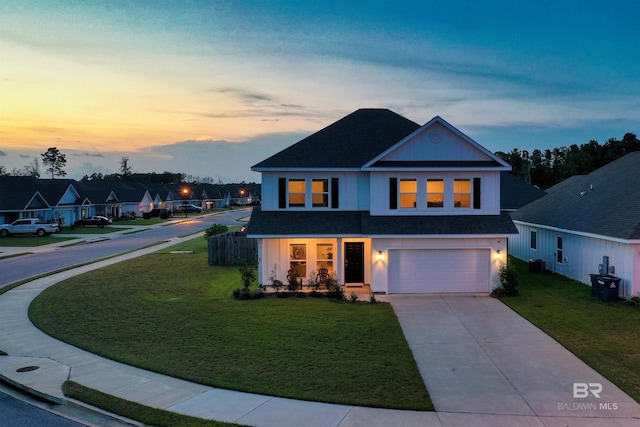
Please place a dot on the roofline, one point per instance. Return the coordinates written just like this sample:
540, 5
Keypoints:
296, 169
579, 233
379, 236
423, 169
449, 126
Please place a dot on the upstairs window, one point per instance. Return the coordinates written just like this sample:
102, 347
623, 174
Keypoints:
461, 193
320, 193
435, 193
296, 193
408, 193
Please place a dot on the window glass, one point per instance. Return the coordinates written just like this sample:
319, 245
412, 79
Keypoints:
320, 193
461, 193
296, 193
559, 250
408, 193
298, 259
534, 239
325, 257
435, 193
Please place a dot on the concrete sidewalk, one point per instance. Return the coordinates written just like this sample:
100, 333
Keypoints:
482, 363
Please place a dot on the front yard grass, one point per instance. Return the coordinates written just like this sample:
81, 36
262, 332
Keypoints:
172, 313
30, 241
606, 336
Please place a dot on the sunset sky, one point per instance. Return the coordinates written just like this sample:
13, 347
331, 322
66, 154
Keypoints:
209, 88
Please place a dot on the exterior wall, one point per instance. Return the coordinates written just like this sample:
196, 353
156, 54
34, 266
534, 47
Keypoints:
582, 255
380, 269
489, 203
353, 189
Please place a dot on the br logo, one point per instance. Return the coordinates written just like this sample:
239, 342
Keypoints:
583, 390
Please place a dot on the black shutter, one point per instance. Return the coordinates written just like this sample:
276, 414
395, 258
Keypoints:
335, 193
477, 195
282, 193
393, 193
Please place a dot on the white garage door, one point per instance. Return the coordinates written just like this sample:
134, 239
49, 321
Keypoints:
448, 270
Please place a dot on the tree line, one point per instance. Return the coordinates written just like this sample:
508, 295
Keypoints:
546, 168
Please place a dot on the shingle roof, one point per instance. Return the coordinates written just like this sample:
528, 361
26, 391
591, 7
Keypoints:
361, 223
516, 193
348, 143
610, 208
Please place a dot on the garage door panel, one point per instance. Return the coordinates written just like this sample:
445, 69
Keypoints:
447, 270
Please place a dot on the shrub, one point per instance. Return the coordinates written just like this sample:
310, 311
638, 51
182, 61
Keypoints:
292, 281
247, 275
508, 282
215, 229
372, 298
283, 295
353, 297
634, 301
337, 293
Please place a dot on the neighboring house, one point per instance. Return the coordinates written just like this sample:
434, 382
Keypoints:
20, 198
64, 197
583, 219
378, 199
104, 199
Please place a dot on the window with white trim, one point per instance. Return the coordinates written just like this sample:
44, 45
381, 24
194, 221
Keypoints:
298, 259
408, 193
533, 238
324, 257
559, 252
296, 192
461, 193
435, 193
320, 193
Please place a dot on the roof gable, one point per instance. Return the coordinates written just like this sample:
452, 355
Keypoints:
437, 144
348, 143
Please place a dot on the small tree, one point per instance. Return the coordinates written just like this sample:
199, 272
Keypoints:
215, 229
125, 167
54, 162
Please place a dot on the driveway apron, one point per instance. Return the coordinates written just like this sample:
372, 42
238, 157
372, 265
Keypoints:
477, 356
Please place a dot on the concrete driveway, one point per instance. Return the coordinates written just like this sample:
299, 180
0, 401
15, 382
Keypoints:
483, 364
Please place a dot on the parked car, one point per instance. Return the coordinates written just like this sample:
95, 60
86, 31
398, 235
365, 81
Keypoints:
96, 221
156, 213
28, 226
189, 208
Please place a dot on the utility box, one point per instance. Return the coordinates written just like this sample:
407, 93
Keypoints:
537, 266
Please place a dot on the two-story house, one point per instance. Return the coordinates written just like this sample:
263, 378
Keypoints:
380, 200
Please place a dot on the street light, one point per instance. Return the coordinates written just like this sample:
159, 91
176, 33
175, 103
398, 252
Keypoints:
242, 198
185, 193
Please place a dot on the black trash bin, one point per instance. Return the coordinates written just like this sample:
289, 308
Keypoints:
609, 288
595, 285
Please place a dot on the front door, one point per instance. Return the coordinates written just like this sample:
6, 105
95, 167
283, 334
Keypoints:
354, 262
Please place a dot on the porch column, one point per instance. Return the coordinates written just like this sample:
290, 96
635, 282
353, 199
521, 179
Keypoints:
339, 262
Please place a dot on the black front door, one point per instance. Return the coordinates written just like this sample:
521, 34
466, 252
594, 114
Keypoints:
354, 262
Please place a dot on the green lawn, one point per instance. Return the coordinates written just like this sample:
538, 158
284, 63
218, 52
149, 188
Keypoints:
172, 313
606, 336
30, 241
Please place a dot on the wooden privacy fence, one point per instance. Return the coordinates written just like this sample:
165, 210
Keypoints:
232, 248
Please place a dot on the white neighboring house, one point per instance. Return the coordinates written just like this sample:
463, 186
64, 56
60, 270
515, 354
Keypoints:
583, 219
378, 199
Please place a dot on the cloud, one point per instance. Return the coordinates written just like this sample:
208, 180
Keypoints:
3, 153
85, 154
24, 156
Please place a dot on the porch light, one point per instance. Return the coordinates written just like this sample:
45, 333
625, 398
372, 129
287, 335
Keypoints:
380, 256
498, 255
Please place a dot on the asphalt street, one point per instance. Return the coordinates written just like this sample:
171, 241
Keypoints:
43, 261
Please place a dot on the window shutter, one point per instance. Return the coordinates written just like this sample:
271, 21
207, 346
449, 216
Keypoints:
282, 193
477, 195
335, 193
393, 193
